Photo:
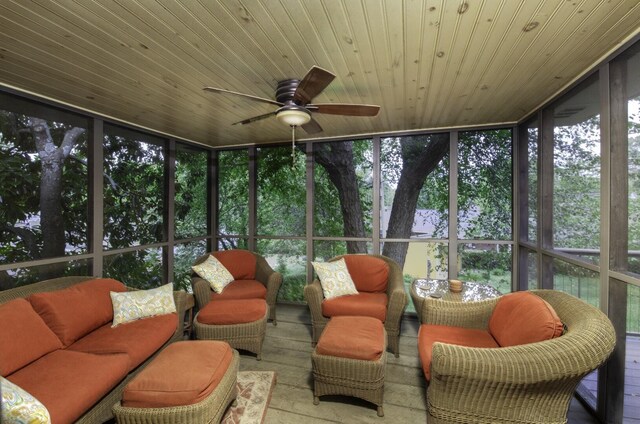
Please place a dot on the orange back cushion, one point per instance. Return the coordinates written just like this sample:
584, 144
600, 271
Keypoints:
240, 263
24, 336
523, 317
75, 311
369, 274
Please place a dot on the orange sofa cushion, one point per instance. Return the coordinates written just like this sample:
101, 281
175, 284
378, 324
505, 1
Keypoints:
68, 383
138, 339
242, 289
429, 334
369, 274
183, 374
240, 263
523, 317
362, 304
237, 311
352, 337
24, 336
75, 311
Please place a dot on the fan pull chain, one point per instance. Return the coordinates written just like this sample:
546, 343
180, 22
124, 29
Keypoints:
293, 145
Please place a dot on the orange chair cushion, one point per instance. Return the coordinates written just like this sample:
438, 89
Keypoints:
240, 263
227, 312
429, 334
138, 339
184, 373
75, 311
69, 383
362, 304
242, 289
24, 336
352, 337
369, 274
523, 317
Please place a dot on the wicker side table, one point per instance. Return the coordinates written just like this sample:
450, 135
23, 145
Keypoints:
471, 292
338, 375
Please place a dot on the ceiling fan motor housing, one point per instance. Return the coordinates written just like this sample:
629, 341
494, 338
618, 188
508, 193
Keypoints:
286, 89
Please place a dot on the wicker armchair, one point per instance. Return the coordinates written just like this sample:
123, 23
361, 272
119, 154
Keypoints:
263, 274
520, 384
397, 303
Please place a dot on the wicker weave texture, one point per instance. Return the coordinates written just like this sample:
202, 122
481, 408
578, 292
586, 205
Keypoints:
209, 410
397, 303
248, 336
101, 411
271, 279
334, 375
531, 383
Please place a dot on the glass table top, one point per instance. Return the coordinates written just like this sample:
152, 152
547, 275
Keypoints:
471, 292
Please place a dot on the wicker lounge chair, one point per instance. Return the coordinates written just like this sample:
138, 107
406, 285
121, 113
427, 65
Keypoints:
520, 384
233, 260
396, 297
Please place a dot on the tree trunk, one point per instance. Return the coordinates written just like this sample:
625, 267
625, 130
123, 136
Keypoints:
52, 158
419, 160
337, 159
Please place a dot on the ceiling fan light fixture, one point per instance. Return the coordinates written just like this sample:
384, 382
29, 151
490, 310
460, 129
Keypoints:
293, 117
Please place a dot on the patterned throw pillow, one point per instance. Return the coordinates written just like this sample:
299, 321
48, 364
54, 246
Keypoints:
19, 407
334, 278
133, 305
214, 272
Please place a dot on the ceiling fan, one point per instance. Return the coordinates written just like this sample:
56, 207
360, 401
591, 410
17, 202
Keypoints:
293, 98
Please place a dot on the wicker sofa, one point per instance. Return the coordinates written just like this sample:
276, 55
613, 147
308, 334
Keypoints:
363, 268
518, 384
63, 351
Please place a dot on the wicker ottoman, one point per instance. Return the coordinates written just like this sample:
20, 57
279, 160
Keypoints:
188, 382
350, 359
242, 323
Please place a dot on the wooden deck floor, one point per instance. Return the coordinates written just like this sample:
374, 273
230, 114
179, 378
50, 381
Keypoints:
287, 350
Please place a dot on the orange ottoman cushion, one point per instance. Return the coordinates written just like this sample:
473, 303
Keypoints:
184, 373
227, 312
523, 317
429, 334
352, 337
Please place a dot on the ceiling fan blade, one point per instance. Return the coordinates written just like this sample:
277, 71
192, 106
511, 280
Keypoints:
255, 118
248, 96
316, 80
345, 109
312, 127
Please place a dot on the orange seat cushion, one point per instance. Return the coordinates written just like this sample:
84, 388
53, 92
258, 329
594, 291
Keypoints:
184, 373
69, 383
523, 317
227, 312
242, 289
24, 336
429, 334
138, 339
369, 274
352, 337
362, 304
77, 310
240, 263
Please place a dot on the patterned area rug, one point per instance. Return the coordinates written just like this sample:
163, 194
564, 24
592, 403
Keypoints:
254, 394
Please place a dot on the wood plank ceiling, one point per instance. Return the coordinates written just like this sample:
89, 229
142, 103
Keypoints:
428, 64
